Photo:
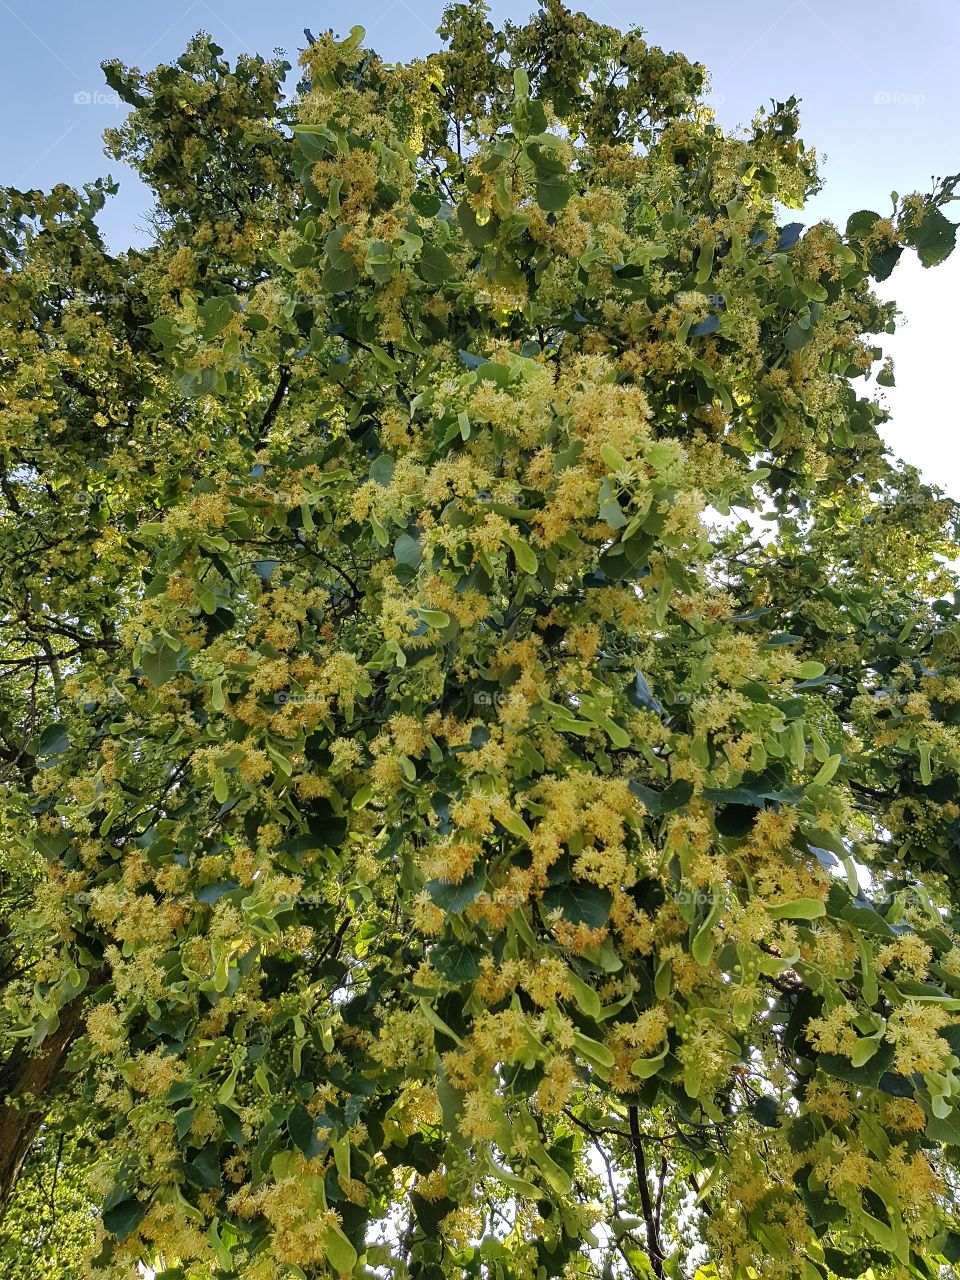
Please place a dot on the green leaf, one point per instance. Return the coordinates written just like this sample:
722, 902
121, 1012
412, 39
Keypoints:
657, 803
430, 1213
54, 741
525, 557
302, 1127
382, 469
864, 1050
796, 337
754, 797
593, 1051
703, 943
160, 665
212, 893
789, 235
340, 273
231, 1125
810, 670
352, 41
580, 902
945, 1130
813, 290
646, 1068
183, 1121
587, 1000
454, 898
341, 1254
935, 238
858, 911
407, 551
124, 1217
851, 1266
868, 1074
861, 223
456, 961
765, 1111
434, 265
827, 770
427, 203
882, 264
612, 459
314, 142
216, 313
435, 618
204, 1169
493, 371
553, 193
438, 1023
477, 233
609, 508
799, 909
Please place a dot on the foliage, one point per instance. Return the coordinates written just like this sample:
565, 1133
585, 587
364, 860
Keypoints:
481, 705
50, 1224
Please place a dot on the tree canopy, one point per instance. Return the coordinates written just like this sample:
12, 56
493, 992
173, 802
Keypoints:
480, 706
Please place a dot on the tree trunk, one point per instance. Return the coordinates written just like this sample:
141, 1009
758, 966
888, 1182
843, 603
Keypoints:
28, 1078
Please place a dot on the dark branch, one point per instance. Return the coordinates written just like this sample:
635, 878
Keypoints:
273, 408
654, 1249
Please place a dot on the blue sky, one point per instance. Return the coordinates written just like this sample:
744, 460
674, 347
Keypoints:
877, 79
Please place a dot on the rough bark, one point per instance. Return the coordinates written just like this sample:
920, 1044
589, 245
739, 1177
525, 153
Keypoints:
28, 1078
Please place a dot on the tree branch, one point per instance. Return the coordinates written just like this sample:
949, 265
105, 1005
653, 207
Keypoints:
273, 408
654, 1248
